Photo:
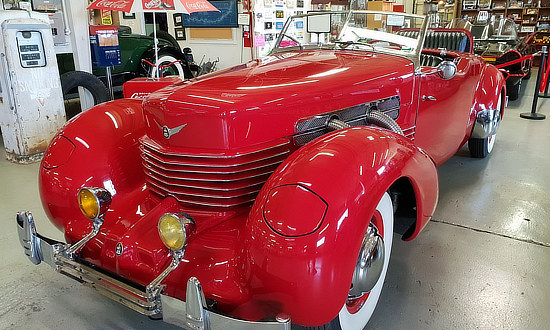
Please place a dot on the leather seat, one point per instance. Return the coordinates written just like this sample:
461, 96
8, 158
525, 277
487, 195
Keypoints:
430, 60
449, 40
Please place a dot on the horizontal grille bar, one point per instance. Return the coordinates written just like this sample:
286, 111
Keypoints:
222, 180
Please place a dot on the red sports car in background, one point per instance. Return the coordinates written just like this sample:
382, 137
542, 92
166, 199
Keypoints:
496, 40
270, 192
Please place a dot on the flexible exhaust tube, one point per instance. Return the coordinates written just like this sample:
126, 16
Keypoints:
336, 124
381, 119
373, 117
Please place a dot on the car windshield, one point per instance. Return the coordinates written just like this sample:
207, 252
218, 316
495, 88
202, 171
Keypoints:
395, 33
495, 28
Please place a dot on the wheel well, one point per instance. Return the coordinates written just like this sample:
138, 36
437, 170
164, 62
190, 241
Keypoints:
404, 207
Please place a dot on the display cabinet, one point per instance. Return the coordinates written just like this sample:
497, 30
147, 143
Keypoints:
529, 15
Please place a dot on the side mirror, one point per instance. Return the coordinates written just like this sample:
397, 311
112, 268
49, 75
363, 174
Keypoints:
446, 70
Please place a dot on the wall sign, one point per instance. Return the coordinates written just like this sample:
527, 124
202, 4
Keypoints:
226, 17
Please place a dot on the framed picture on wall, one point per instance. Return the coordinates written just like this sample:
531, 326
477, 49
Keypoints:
180, 33
177, 19
128, 15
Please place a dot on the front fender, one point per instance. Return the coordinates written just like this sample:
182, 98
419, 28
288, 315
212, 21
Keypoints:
98, 148
308, 275
491, 84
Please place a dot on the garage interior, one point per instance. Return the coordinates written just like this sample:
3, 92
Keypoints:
480, 263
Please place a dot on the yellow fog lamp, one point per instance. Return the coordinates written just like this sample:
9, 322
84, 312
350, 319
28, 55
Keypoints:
174, 230
94, 202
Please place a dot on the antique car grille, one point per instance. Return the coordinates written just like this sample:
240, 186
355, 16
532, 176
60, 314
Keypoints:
310, 128
211, 180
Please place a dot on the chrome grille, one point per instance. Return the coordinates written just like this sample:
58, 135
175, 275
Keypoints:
212, 180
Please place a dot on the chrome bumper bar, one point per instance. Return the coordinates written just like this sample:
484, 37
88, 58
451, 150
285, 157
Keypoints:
487, 122
190, 314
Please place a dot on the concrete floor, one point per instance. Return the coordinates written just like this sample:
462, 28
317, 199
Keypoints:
481, 263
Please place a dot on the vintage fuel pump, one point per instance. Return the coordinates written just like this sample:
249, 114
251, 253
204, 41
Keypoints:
31, 100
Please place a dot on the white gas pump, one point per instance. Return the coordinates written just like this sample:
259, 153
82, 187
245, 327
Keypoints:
31, 100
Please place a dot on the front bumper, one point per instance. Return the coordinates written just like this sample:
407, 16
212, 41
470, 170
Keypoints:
189, 314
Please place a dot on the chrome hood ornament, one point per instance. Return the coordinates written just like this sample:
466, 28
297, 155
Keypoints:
169, 132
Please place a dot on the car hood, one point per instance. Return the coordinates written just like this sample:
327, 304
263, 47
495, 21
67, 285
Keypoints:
262, 100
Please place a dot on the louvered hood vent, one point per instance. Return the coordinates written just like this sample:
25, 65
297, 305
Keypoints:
222, 181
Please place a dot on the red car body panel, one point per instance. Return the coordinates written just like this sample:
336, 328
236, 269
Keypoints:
222, 110
251, 266
295, 268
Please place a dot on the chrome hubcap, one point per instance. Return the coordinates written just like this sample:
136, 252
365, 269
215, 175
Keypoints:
369, 264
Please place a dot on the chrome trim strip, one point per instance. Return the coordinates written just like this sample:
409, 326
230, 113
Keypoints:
154, 146
161, 170
193, 314
188, 186
163, 193
156, 162
202, 195
150, 153
148, 166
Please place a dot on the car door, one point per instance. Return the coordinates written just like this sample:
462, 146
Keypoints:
444, 116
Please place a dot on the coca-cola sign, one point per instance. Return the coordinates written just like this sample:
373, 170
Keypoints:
158, 4
198, 6
189, 6
119, 5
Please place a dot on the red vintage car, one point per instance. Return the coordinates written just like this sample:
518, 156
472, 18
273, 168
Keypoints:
268, 193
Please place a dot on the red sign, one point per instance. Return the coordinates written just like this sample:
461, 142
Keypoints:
198, 6
120, 5
189, 6
157, 4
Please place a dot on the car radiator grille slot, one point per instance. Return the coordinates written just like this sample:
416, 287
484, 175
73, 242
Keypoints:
311, 128
210, 180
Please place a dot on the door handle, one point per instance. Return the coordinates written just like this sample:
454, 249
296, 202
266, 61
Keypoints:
428, 97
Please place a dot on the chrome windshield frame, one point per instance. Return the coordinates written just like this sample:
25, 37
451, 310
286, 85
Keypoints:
414, 57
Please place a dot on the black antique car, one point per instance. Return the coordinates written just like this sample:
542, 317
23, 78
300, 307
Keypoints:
496, 40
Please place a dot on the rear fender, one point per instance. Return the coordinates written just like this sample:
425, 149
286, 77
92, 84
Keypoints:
305, 257
97, 148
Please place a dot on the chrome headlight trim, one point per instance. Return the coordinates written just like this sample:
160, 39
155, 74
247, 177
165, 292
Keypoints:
103, 200
187, 227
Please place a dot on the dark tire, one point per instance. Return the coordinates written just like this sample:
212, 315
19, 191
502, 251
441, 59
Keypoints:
357, 311
70, 81
513, 91
481, 148
168, 37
